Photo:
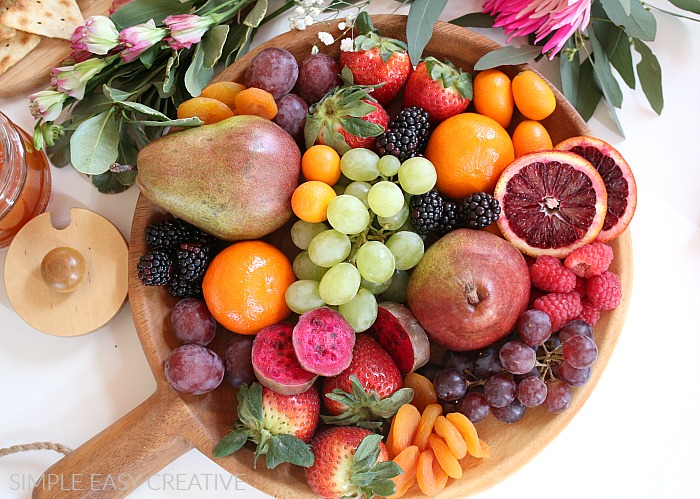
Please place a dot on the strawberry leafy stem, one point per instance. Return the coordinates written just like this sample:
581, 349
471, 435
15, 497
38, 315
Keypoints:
370, 477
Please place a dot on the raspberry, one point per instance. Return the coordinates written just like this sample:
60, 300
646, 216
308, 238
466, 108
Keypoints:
589, 313
560, 307
548, 274
580, 287
592, 259
604, 291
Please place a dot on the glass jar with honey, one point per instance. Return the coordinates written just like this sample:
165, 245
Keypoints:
25, 180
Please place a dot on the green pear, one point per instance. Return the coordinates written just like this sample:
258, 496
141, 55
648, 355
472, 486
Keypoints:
233, 179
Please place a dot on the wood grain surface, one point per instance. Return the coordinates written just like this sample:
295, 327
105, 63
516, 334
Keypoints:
177, 422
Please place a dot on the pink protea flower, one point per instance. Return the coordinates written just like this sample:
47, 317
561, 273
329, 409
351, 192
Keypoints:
561, 18
187, 29
47, 104
137, 39
71, 80
97, 36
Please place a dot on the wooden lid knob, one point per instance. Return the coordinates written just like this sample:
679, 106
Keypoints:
63, 269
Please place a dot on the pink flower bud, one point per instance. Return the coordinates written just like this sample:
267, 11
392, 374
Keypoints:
137, 39
186, 29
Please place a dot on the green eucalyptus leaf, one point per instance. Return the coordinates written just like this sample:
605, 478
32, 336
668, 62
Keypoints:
140, 11
256, 14
127, 147
603, 73
143, 109
618, 47
363, 23
115, 94
649, 71
626, 6
109, 183
59, 153
474, 20
213, 44
288, 449
569, 71
588, 94
197, 76
170, 77
639, 23
94, 144
422, 16
508, 55
181, 122
148, 56
688, 5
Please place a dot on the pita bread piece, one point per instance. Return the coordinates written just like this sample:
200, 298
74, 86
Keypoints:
51, 18
14, 49
5, 32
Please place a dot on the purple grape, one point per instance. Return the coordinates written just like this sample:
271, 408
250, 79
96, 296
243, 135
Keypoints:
450, 384
291, 116
474, 406
516, 357
499, 390
487, 362
191, 322
519, 377
462, 361
238, 360
572, 375
558, 396
579, 351
318, 74
194, 369
532, 391
552, 343
274, 70
534, 327
509, 413
577, 326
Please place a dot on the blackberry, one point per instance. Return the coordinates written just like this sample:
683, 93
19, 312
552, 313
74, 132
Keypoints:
179, 287
192, 260
167, 234
400, 142
155, 268
451, 218
425, 211
480, 210
414, 118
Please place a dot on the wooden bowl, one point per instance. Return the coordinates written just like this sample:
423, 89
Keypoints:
169, 423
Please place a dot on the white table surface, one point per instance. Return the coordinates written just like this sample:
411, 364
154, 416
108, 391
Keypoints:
636, 436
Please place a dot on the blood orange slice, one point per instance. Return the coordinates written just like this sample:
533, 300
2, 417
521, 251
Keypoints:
617, 176
552, 203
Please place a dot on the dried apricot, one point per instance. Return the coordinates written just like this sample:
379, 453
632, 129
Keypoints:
468, 431
533, 96
403, 428
256, 101
206, 109
430, 476
407, 459
530, 136
224, 91
423, 390
425, 427
321, 162
493, 96
310, 201
444, 456
453, 438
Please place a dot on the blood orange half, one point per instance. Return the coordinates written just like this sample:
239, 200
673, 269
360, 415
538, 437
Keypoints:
552, 202
617, 176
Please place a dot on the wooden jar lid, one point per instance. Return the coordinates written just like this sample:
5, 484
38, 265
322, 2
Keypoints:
71, 281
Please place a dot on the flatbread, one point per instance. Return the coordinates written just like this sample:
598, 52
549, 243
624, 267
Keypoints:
14, 49
51, 18
5, 32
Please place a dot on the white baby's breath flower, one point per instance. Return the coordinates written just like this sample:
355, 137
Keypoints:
350, 18
314, 11
326, 38
300, 10
342, 26
346, 45
299, 24
308, 3
308, 20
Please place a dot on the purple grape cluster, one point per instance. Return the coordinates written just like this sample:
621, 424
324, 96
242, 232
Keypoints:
533, 367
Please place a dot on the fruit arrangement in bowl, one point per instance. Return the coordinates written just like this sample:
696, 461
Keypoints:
365, 277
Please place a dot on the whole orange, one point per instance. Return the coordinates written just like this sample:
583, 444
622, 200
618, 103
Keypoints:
244, 286
469, 152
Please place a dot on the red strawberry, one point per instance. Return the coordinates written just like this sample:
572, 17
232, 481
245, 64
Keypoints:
345, 118
368, 391
438, 87
350, 462
280, 425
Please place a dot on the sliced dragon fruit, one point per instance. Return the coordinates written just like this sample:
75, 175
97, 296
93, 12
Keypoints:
275, 363
400, 333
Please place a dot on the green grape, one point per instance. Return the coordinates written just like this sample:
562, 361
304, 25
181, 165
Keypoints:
417, 175
303, 232
360, 164
375, 262
385, 198
359, 190
389, 165
329, 247
397, 221
407, 248
374, 287
340, 284
347, 214
303, 296
397, 289
304, 268
361, 311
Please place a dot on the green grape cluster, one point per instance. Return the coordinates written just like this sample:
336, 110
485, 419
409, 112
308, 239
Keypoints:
367, 246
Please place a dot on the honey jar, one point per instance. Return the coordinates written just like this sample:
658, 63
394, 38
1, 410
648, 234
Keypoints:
25, 180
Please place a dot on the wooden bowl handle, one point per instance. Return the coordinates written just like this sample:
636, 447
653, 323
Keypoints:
123, 456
